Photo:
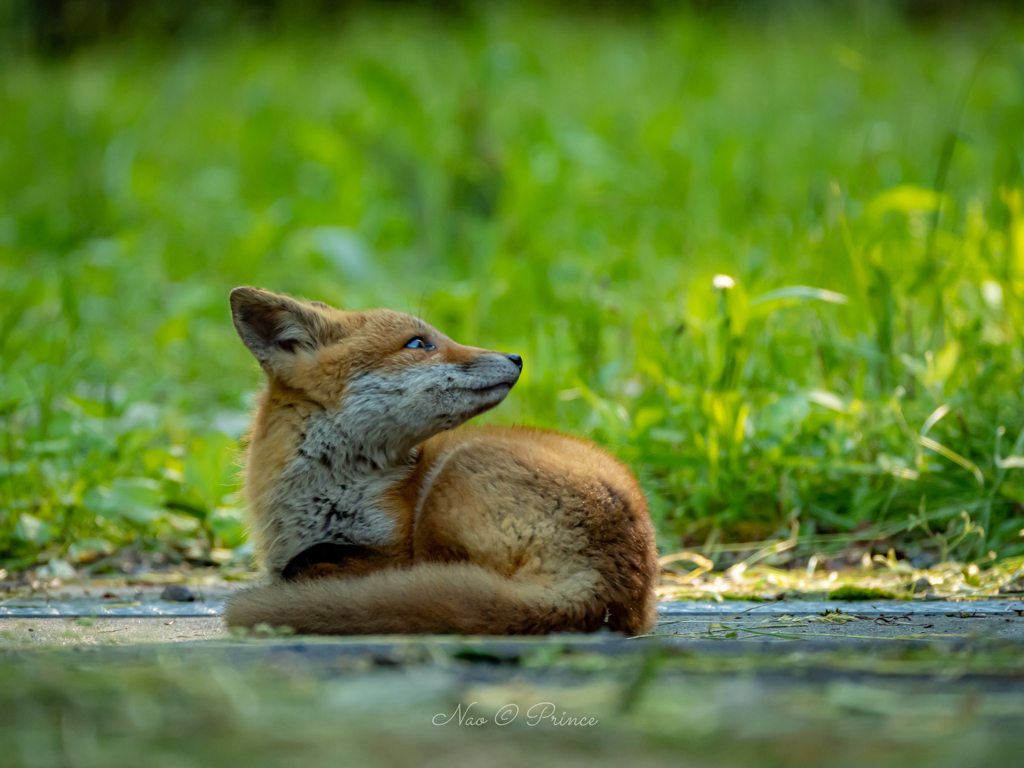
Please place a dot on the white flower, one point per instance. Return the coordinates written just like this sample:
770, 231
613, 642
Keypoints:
723, 282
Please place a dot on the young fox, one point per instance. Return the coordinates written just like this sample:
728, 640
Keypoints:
373, 515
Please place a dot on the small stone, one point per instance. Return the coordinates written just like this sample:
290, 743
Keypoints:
176, 593
921, 585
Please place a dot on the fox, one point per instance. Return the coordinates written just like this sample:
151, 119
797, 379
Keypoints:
374, 511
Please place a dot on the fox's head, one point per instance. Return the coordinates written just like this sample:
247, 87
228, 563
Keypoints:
390, 378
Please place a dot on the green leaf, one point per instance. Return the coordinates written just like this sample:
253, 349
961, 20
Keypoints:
228, 526
904, 199
793, 294
137, 499
210, 468
31, 530
667, 436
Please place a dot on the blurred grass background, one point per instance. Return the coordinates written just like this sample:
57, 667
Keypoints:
770, 254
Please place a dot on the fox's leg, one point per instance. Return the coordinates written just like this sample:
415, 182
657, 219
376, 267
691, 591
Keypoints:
497, 516
517, 509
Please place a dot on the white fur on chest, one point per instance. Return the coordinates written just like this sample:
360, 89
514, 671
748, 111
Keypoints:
331, 494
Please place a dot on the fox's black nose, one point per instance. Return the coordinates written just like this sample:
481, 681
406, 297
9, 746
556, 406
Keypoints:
517, 360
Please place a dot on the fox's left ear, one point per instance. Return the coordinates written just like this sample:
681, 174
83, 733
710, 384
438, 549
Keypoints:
276, 327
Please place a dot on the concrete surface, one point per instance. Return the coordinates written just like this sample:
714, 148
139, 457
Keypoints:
110, 613
877, 621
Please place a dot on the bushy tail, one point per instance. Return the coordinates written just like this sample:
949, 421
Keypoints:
428, 599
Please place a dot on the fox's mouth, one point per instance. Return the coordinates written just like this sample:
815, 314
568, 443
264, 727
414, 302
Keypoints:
493, 388
489, 396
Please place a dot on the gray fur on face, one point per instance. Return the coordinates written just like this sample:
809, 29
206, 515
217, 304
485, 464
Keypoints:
395, 411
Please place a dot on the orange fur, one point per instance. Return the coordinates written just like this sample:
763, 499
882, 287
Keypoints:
372, 514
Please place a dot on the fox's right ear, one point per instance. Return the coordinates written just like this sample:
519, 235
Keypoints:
275, 327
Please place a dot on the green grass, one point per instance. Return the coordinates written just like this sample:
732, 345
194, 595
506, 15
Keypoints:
563, 186
859, 593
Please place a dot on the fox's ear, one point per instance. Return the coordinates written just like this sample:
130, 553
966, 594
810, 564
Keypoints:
275, 327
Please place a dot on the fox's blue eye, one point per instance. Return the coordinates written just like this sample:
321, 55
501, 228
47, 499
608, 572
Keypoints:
418, 343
